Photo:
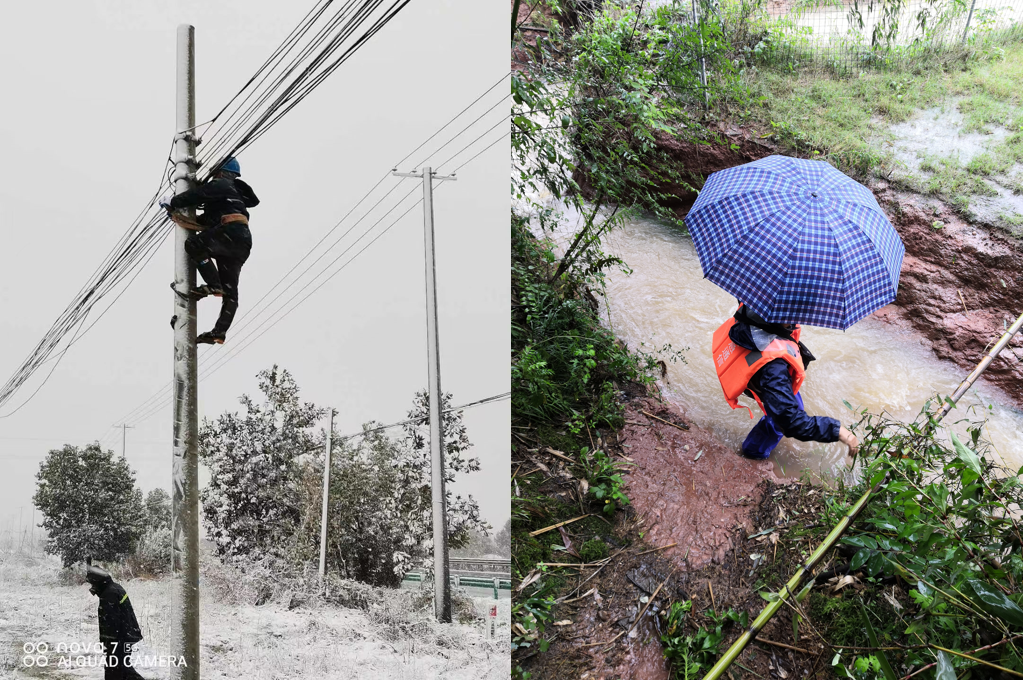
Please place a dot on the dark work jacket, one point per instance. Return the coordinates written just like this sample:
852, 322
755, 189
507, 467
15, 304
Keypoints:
116, 617
218, 197
773, 385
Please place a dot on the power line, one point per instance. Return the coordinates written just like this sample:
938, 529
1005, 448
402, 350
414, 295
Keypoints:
473, 157
484, 401
220, 362
452, 120
151, 225
499, 123
158, 400
476, 403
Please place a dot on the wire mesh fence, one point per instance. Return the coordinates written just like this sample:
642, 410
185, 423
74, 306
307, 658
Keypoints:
850, 34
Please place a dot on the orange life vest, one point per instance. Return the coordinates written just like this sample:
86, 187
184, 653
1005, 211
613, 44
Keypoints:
736, 365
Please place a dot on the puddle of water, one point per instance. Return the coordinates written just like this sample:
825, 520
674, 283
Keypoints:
1000, 209
872, 365
938, 132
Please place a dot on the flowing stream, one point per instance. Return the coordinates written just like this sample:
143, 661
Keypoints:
665, 300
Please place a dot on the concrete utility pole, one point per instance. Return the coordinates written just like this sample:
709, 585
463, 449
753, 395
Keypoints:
185, 488
441, 584
124, 438
326, 499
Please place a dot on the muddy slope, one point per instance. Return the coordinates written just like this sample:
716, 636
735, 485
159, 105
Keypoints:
961, 285
686, 539
945, 257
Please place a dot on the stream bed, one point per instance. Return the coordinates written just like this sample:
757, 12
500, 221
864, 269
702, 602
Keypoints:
874, 364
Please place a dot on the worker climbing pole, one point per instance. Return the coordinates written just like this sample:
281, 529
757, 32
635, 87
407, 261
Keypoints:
185, 498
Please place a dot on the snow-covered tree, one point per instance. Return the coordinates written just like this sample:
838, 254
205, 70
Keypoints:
463, 513
265, 491
89, 503
502, 541
253, 502
158, 509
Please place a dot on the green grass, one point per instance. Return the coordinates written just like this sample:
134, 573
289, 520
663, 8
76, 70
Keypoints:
983, 111
818, 113
950, 181
987, 164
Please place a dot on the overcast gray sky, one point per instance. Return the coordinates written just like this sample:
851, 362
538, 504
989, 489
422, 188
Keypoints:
85, 125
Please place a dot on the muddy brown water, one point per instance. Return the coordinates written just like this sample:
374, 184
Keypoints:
873, 364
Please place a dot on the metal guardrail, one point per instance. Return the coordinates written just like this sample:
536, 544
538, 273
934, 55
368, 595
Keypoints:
468, 581
481, 565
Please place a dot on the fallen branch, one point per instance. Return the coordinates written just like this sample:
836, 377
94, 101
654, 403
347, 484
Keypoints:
611, 641
783, 646
606, 564
650, 601
556, 525
683, 427
983, 648
562, 600
558, 453
657, 549
977, 660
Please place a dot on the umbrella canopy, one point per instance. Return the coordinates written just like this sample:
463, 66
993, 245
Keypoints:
796, 240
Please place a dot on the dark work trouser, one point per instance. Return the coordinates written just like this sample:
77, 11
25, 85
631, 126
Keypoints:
765, 436
117, 665
229, 246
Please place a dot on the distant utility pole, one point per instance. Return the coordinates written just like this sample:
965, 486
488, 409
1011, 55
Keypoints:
185, 484
969, 17
698, 23
441, 584
326, 499
124, 432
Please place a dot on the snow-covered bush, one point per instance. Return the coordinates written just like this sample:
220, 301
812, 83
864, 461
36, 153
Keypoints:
152, 556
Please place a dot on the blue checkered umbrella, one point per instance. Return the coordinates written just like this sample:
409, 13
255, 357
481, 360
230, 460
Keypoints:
796, 240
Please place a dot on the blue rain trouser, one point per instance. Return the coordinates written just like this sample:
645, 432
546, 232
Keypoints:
765, 436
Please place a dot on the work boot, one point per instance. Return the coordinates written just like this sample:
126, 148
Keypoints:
211, 337
205, 290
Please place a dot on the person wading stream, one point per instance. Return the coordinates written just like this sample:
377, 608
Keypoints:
797, 242
768, 363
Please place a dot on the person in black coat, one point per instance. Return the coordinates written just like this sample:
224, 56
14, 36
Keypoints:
222, 241
785, 415
118, 628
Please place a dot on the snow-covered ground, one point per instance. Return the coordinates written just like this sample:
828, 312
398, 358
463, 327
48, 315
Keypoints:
240, 640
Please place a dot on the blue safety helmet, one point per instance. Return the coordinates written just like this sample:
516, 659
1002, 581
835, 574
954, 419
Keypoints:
231, 165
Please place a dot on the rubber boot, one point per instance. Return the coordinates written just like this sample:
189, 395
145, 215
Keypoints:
201, 292
211, 337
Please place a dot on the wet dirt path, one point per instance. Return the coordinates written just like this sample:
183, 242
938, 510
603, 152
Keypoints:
688, 487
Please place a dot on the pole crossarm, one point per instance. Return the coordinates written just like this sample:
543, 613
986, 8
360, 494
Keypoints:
413, 174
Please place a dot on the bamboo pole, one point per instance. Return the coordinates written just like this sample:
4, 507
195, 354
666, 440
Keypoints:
792, 586
983, 365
